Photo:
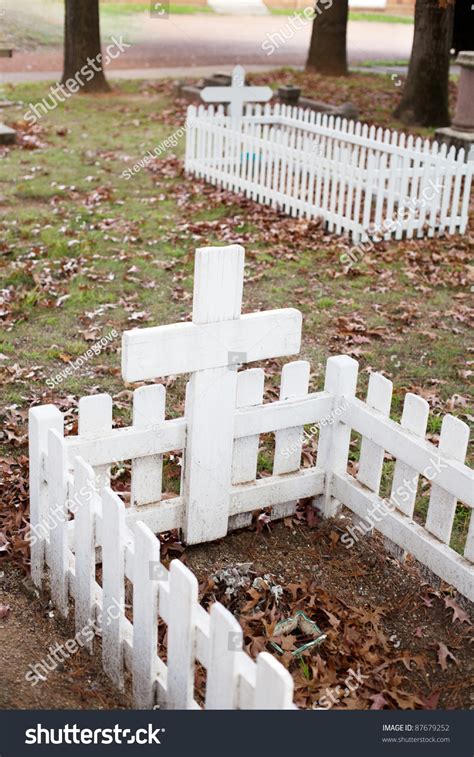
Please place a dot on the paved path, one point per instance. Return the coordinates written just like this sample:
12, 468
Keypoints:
192, 41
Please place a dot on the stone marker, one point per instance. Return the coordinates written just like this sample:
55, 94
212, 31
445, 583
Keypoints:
7, 135
461, 132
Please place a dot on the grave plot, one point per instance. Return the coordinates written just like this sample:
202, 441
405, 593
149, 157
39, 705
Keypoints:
219, 432
360, 180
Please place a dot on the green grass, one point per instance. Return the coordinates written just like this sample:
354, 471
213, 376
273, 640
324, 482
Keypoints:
136, 249
353, 16
379, 18
383, 63
122, 9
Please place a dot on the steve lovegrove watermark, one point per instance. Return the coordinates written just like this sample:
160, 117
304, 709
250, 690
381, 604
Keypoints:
96, 349
58, 653
380, 509
164, 146
328, 420
72, 85
294, 23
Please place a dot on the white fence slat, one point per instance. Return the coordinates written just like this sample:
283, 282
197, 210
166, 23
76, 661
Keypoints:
469, 168
469, 547
181, 636
379, 397
147, 571
334, 439
113, 593
289, 442
58, 497
414, 419
40, 421
225, 645
274, 687
453, 442
273, 145
148, 411
85, 498
250, 384
95, 419
412, 449
409, 535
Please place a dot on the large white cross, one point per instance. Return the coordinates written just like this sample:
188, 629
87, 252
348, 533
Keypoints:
237, 94
211, 348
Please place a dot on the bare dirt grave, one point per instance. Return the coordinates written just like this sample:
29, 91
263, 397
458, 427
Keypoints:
30, 630
393, 641
406, 643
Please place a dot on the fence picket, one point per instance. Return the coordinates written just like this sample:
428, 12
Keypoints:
181, 637
274, 687
113, 594
414, 419
85, 499
95, 419
379, 397
41, 421
147, 571
334, 439
453, 442
148, 411
58, 491
225, 644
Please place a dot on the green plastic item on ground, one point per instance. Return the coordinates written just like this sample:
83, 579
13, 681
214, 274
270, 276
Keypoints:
306, 625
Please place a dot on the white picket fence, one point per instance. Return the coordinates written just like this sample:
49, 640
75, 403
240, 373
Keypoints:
219, 435
360, 180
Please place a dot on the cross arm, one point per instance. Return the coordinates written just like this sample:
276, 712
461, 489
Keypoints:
188, 347
228, 94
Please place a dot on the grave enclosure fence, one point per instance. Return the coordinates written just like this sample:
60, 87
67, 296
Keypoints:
359, 180
78, 522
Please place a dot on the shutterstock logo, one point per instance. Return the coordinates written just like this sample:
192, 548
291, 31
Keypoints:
73, 734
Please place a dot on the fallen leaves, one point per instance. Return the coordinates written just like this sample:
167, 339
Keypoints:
458, 613
443, 655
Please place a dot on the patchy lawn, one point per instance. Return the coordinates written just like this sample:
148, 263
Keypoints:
85, 251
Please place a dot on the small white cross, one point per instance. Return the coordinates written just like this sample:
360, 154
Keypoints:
211, 348
237, 94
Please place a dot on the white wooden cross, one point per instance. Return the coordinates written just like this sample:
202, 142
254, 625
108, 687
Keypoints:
237, 94
211, 348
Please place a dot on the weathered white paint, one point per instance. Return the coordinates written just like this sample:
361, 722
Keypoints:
148, 412
41, 421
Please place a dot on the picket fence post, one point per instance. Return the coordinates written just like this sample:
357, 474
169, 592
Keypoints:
334, 437
41, 420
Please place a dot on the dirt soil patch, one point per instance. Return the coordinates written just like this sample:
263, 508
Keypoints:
407, 641
30, 630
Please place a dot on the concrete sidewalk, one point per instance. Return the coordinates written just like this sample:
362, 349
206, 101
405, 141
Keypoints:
196, 41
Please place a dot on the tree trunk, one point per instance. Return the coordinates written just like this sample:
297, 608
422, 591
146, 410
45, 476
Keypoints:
425, 100
82, 46
327, 50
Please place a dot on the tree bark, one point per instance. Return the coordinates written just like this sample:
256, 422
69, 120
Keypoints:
82, 45
425, 98
327, 49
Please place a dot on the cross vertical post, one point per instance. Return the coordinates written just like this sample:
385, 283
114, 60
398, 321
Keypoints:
211, 348
210, 399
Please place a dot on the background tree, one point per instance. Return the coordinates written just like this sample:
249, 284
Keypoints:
425, 98
82, 42
328, 49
